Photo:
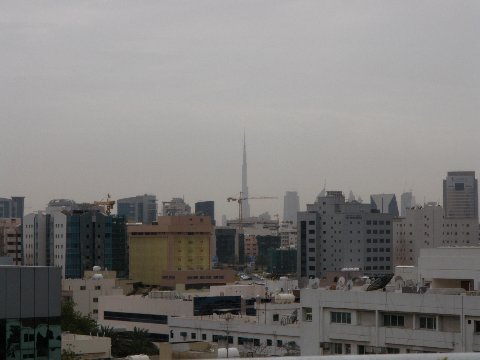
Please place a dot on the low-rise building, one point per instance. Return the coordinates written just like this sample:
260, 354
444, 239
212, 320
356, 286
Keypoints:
87, 347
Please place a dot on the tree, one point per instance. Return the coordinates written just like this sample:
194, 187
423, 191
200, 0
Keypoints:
76, 323
129, 343
68, 355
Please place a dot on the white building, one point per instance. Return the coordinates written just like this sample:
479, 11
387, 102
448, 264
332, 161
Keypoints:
442, 319
288, 234
35, 239
86, 292
153, 312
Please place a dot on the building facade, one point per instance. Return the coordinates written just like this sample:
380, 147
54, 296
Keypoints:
205, 208
176, 207
138, 209
11, 239
291, 205
335, 234
12, 208
385, 203
30, 313
407, 201
460, 195
175, 243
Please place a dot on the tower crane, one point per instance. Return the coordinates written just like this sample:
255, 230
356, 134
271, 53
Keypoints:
107, 203
240, 200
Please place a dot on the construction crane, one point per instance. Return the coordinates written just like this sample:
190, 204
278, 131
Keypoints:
240, 200
107, 203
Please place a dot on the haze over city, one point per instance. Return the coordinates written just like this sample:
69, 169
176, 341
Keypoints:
111, 97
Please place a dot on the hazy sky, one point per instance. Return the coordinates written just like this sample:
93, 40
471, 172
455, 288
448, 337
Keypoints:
131, 97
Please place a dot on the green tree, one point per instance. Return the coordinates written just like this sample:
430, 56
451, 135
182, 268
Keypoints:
133, 343
69, 355
76, 323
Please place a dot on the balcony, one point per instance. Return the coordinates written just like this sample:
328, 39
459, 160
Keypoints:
350, 332
417, 337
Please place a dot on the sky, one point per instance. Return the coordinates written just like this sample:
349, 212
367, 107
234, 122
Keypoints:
133, 97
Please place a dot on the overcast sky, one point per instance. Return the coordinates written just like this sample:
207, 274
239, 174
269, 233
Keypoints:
132, 97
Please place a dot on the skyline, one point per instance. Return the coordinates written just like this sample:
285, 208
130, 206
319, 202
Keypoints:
100, 98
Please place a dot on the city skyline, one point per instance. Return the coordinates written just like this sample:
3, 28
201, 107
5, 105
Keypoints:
156, 98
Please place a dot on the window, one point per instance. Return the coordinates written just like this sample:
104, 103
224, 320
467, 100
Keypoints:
98, 287
279, 343
341, 317
95, 300
428, 322
336, 348
307, 314
393, 320
477, 326
269, 342
256, 342
275, 317
204, 337
194, 336
83, 287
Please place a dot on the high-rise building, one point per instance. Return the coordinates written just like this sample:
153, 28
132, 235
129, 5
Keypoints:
205, 208
407, 201
385, 203
139, 209
75, 241
176, 207
245, 204
460, 195
291, 205
12, 208
335, 234
30, 313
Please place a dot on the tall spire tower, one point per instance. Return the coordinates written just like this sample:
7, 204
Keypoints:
245, 205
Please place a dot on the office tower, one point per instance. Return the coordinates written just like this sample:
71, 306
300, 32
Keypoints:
140, 209
291, 205
30, 313
385, 203
245, 204
176, 207
335, 234
176, 243
460, 195
205, 208
265, 243
407, 201
12, 208
225, 244
84, 239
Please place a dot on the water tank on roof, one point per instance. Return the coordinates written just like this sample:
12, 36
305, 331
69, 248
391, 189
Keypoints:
284, 298
97, 276
97, 268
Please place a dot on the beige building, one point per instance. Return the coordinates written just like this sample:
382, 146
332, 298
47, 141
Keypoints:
175, 244
425, 227
87, 347
86, 292
11, 239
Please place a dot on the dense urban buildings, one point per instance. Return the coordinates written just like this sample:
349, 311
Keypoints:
139, 209
30, 313
335, 234
291, 205
460, 195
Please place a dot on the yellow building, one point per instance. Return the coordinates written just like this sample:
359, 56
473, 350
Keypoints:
176, 243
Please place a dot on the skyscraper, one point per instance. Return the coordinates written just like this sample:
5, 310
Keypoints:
385, 203
245, 204
407, 201
291, 205
460, 195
